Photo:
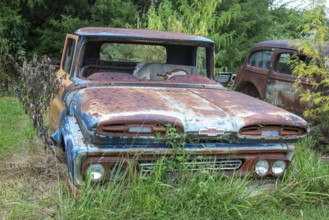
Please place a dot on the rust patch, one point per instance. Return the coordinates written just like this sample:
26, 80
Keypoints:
215, 108
139, 33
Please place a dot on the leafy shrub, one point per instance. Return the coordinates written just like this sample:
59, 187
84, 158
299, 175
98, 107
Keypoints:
314, 44
37, 84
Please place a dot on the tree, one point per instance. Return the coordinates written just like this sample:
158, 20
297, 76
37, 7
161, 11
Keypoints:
13, 29
114, 13
234, 25
314, 43
248, 22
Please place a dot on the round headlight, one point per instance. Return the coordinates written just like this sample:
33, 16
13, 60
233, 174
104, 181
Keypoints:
278, 167
96, 172
262, 167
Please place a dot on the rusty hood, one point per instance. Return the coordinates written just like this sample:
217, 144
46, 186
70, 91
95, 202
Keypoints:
194, 108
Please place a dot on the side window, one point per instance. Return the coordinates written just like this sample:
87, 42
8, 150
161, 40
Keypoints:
261, 59
281, 63
201, 61
69, 55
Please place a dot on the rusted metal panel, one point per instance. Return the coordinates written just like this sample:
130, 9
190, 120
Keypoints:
122, 33
284, 95
283, 44
189, 106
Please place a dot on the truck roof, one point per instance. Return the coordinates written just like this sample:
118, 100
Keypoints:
139, 34
284, 44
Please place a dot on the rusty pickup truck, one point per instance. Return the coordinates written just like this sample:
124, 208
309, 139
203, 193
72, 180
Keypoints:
125, 87
267, 74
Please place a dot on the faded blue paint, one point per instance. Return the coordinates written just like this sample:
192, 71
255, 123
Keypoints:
56, 137
74, 144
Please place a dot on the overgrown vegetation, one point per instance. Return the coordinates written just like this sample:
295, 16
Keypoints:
314, 44
304, 191
36, 87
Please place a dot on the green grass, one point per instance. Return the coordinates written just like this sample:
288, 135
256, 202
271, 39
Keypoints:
16, 130
302, 194
35, 189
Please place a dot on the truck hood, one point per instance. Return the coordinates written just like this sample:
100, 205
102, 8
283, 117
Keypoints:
194, 108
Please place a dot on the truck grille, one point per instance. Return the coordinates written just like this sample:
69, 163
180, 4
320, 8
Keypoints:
213, 165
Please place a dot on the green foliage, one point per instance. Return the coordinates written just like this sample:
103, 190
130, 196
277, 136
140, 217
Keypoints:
120, 13
133, 53
246, 22
234, 25
52, 39
50, 21
13, 29
195, 17
7, 72
314, 44
307, 181
284, 23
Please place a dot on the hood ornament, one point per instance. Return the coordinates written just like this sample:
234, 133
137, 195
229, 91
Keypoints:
211, 131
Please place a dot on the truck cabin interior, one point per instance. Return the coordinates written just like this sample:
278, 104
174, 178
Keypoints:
104, 60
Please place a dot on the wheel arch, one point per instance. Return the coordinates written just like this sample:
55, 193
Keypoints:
248, 88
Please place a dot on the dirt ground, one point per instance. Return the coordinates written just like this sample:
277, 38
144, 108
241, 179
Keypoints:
30, 181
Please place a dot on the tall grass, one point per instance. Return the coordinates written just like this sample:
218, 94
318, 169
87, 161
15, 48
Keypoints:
307, 181
303, 192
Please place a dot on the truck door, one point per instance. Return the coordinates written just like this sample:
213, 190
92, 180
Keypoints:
280, 89
64, 73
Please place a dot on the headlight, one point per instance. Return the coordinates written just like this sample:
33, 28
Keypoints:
278, 167
262, 167
96, 172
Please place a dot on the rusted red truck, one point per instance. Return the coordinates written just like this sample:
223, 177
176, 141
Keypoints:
125, 87
267, 74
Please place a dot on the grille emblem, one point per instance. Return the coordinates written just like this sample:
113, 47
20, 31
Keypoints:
211, 131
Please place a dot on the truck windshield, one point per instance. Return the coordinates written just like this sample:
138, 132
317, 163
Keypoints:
104, 61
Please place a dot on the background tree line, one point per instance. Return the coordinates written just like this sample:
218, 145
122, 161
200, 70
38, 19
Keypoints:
39, 26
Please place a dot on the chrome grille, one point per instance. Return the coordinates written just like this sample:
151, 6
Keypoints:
213, 165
